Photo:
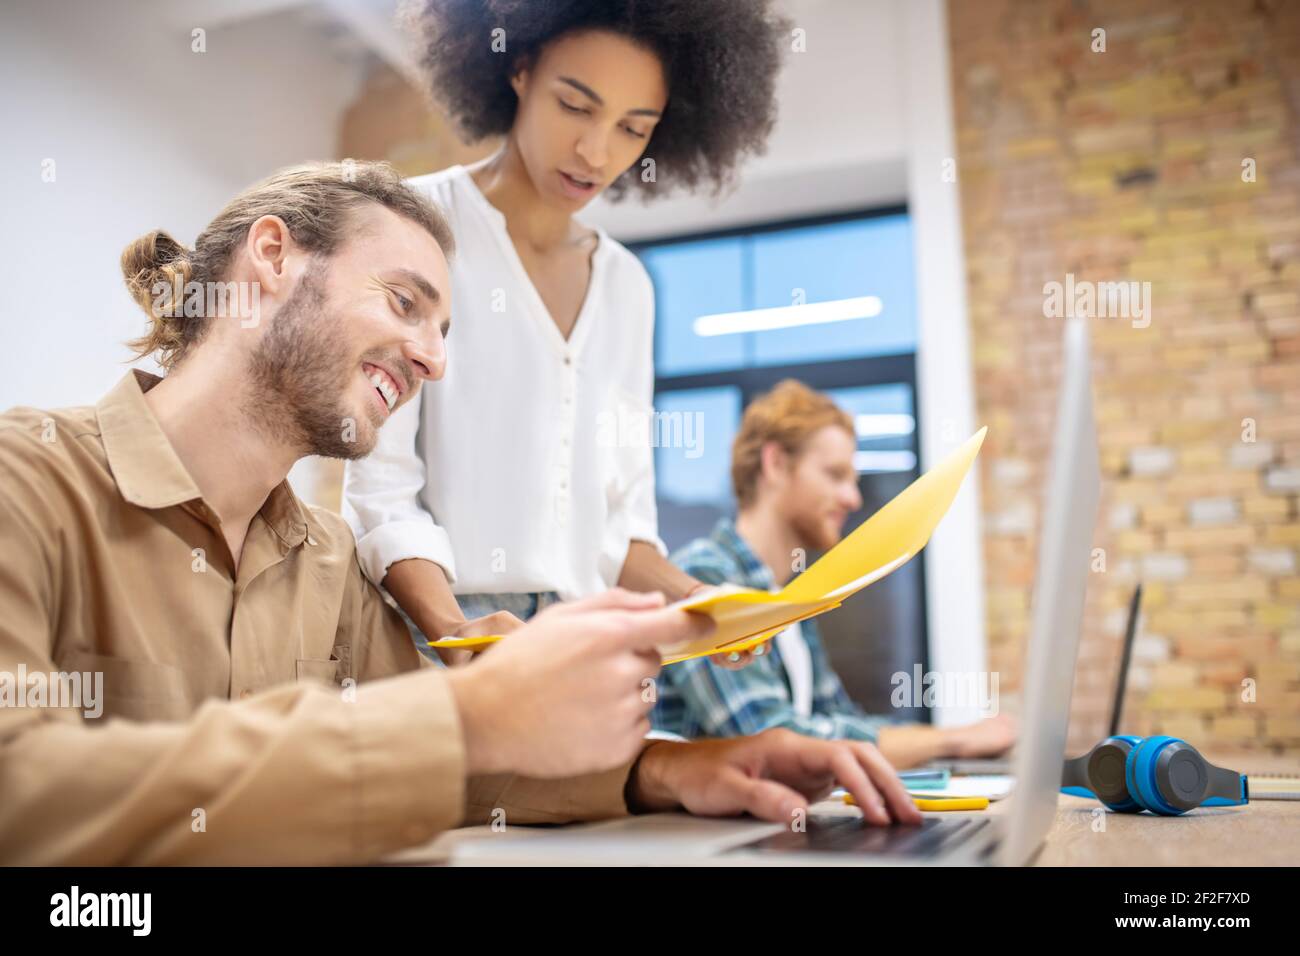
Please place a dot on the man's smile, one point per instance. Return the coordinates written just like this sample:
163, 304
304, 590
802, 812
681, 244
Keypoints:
385, 384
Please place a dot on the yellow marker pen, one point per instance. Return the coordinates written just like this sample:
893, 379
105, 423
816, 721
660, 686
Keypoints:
939, 803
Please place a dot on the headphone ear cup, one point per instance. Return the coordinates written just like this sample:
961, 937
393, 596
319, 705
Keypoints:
1107, 773
1166, 775
1182, 776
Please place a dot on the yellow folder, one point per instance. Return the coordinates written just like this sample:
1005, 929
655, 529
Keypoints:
746, 617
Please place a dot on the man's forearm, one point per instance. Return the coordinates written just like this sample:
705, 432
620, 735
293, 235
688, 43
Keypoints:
909, 745
295, 775
645, 569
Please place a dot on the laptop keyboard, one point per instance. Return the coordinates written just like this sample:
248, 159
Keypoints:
850, 835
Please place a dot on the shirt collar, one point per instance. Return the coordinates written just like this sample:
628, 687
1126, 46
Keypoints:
756, 573
150, 474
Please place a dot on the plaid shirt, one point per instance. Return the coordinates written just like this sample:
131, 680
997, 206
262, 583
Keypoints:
696, 698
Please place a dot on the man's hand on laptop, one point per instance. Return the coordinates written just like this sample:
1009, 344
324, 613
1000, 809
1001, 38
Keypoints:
984, 738
771, 775
570, 692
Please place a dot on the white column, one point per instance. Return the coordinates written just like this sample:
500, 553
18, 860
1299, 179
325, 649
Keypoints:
954, 557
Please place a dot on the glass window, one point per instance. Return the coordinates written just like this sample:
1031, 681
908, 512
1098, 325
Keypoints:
885, 421
692, 279
784, 296
858, 269
864, 266
693, 476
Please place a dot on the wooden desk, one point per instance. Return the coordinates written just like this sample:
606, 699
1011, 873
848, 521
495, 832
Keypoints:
1265, 833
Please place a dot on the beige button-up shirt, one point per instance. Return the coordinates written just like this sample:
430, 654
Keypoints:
159, 706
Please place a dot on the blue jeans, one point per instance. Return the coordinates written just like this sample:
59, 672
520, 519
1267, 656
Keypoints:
522, 606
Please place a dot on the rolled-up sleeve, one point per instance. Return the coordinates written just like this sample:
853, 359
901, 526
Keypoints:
381, 501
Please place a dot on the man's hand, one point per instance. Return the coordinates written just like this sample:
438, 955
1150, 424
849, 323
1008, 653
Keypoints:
910, 745
769, 775
984, 738
569, 693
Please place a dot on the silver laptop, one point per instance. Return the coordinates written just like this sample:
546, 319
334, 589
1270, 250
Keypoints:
837, 836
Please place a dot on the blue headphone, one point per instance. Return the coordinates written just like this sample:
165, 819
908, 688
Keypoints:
1162, 774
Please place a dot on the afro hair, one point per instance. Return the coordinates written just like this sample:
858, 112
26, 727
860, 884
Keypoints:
721, 58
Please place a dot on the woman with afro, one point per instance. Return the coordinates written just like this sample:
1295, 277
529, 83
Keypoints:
526, 475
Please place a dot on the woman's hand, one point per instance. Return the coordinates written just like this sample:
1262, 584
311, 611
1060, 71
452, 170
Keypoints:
499, 622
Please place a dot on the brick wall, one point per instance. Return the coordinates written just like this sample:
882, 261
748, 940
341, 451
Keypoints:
1127, 165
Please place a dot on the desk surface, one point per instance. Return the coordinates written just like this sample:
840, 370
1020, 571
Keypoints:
1265, 833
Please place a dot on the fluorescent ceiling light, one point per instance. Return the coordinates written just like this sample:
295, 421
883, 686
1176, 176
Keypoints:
876, 461
788, 316
881, 426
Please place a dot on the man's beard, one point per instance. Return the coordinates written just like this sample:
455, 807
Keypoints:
811, 532
300, 373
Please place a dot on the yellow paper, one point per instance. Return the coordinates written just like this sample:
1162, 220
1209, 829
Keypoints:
746, 617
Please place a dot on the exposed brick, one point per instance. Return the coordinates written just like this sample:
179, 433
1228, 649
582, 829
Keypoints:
1010, 471
1165, 566
1282, 534
1163, 514
1274, 561
1123, 515
1241, 591
1016, 520
1250, 454
1227, 674
1234, 727
1153, 460
1206, 645
1284, 730
1185, 698
1212, 565
1265, 509
1282, 479
1175, 674
1210, 511
1151, 647
1127, 166
1210, 539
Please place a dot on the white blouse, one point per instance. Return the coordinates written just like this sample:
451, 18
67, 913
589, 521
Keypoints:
529, 466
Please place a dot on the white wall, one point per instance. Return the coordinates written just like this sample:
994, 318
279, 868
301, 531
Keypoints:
145, 134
